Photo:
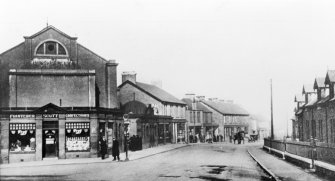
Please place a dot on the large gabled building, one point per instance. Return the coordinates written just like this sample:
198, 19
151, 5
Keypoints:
57, 99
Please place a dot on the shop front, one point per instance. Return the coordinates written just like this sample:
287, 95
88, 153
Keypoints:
33, 136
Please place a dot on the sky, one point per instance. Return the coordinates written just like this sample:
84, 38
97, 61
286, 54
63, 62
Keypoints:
229, 49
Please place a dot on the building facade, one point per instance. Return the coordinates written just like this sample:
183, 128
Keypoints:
230, 117
315, 117
157, 115
199, 119
57, 99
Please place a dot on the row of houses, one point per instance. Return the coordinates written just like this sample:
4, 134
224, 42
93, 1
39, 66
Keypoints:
58, 98
315, 111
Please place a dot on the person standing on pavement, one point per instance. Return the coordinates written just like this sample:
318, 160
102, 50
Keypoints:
103, 147
115, 150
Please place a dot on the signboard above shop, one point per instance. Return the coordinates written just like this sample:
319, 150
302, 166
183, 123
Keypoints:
21, 116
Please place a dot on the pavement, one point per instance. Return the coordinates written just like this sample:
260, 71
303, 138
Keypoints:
279, 168
131, 155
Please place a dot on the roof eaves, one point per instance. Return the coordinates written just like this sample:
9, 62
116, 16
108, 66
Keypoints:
92, 52
11, 49
138, 87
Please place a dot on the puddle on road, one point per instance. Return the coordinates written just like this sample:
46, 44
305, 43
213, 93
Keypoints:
211, 178
233, 171
216, 169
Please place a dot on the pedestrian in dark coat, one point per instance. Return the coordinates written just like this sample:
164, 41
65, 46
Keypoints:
103, 147
115, 150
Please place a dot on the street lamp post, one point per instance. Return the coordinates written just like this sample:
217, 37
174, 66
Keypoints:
126, 133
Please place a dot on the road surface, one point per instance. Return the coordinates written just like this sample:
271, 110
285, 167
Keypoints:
196, 162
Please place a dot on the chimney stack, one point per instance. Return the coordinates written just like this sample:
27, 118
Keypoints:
213, 99
200, 98
129, 75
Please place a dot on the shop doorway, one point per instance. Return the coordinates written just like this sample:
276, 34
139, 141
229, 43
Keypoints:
50, 139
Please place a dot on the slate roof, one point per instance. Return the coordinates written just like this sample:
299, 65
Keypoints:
307, 88
199, 105
319, 82
312, 102
155, 92
202, 107
324, 99
299, 98
188, 102
226, 108
330, 77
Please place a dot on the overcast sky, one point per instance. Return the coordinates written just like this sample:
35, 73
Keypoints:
228, 49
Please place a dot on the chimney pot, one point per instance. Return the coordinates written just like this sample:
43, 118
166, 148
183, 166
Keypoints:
129, 75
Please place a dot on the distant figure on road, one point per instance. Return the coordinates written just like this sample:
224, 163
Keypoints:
115, 150
103, 147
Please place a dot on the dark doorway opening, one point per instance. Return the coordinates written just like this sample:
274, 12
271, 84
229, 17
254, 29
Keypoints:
50, 139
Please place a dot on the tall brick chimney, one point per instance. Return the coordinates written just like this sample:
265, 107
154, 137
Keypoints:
192, 97
129, 75
111, 87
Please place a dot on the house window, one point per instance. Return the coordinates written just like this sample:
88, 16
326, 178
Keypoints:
198, 117
307, 130
50, 48
77, 136
320, 131
332, 129
314, 128
22, 137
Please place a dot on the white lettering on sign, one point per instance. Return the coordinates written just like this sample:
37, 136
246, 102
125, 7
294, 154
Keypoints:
22, 116
50, 115
77, 131
77, 115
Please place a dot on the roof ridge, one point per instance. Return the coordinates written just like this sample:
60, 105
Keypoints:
50, 27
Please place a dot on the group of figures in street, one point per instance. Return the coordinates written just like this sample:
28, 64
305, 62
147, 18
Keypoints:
115, 148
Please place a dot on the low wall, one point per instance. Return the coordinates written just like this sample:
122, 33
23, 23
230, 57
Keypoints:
323, 152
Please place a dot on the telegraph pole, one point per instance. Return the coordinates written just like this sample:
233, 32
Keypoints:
272, 135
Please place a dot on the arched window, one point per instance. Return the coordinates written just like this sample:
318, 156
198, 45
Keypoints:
51, 48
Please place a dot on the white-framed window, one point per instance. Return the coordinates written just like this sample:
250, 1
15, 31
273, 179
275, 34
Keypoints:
51, 48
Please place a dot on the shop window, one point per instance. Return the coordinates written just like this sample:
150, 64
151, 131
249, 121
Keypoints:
22, 137
77, 136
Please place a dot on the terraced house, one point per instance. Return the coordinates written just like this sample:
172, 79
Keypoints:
199, 119
315, 116
155, 115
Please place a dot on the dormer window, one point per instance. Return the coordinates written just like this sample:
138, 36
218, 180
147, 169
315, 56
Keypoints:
51, 48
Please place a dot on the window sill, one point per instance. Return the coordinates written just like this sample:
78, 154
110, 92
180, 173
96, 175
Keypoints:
22, 152
72, 151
